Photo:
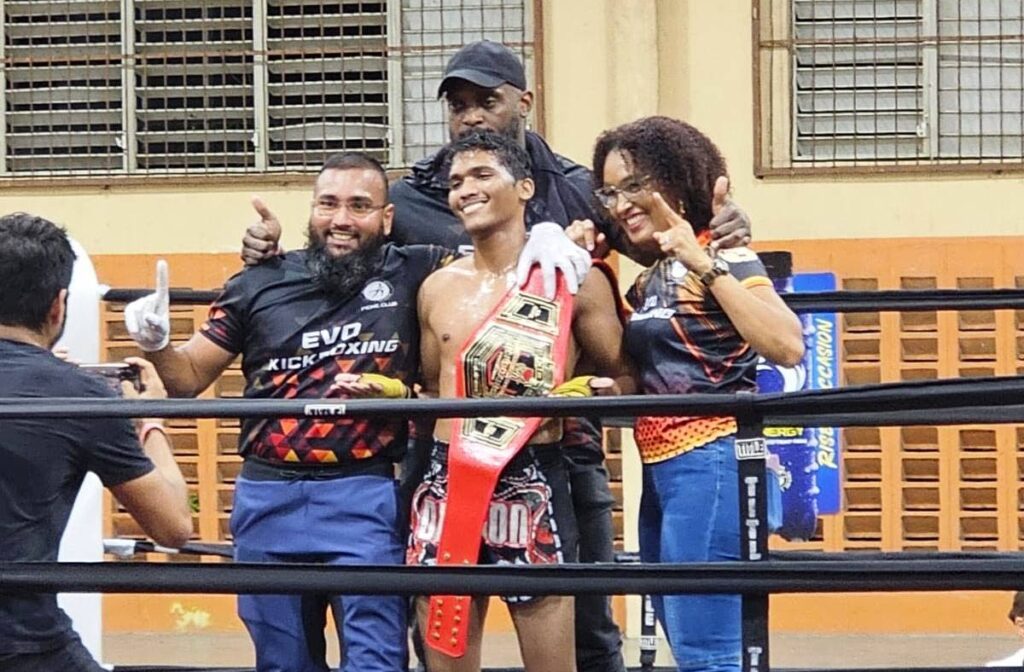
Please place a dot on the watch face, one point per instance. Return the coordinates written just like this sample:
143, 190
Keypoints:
718, 267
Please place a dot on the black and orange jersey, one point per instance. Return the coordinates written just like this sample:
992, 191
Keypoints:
294, 339
681, 342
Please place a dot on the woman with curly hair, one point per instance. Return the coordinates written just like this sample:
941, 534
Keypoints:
700, 318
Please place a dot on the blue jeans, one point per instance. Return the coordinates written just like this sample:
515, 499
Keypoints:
347, 520
689, 512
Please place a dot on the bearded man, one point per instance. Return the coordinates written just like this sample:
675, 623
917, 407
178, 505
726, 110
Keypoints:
320, 491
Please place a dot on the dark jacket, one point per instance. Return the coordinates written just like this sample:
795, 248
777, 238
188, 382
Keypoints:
563, 194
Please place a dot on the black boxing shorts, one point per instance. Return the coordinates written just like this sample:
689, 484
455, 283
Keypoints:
530, 519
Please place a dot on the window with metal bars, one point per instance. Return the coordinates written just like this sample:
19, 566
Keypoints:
879, 85
180, 87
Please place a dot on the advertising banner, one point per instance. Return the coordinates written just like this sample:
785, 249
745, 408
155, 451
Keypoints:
806, 459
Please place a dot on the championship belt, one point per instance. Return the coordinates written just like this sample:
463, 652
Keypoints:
518, 351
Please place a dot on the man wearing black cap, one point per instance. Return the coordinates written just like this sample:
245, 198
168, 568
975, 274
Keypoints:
485, 87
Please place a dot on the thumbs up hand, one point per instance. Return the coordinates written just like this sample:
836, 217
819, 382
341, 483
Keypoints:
148, 319
261, 239
730, 226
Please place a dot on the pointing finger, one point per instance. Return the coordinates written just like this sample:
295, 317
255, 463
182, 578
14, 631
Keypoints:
162, 291
590, 235
660, 209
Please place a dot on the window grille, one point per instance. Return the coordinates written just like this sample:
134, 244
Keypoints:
431, 33
327, 81
888, 84
63, 103
193, 80
180, 87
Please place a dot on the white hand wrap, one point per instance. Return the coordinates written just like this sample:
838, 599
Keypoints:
148, 319
549, 247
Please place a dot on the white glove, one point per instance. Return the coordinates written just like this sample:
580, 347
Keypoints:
148, 319
552, 249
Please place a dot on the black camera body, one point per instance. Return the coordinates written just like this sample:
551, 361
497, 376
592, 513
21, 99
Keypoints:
115, 373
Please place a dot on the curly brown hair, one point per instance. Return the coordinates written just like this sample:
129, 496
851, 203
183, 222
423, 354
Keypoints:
682, 162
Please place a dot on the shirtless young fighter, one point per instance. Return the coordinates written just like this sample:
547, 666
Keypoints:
528, 519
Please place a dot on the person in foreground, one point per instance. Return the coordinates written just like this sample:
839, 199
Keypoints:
45, 460
1016, 617
700, 318
490, 187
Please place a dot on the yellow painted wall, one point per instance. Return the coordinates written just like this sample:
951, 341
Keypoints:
602, 70
137, 220
605, 62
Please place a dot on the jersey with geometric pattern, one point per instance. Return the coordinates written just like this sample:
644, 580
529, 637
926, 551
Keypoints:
294, 339
682, 342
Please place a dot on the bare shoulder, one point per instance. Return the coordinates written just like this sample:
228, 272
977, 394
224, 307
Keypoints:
442, 279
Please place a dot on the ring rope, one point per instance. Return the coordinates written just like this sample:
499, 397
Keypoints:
762, 577
966, 402
979, 400
802, 302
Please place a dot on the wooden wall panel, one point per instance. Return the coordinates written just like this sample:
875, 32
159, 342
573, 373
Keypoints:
204, 449
912, 488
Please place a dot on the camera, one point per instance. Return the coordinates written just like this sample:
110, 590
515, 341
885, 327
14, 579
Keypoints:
116, 373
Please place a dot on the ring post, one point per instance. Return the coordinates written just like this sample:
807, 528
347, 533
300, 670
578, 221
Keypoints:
648, 634
750, 458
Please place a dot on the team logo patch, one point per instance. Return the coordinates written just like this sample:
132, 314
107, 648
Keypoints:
378, 290
678, 270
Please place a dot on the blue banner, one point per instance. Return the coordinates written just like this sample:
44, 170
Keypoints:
806, 459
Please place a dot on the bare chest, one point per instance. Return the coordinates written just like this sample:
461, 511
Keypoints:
460, 319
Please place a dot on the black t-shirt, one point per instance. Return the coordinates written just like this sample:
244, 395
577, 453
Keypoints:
44, 461
294, 339
681, 342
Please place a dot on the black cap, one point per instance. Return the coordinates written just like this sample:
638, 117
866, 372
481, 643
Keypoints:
487, 64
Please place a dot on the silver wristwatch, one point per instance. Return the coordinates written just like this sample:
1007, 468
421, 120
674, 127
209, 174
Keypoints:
719, 267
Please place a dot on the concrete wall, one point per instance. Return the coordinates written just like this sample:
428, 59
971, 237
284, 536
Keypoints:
610, 61
605, 62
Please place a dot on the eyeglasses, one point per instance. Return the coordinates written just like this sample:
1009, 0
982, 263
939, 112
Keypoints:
632, 188
359, 209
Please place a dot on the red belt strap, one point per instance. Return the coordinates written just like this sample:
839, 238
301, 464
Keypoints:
519, 350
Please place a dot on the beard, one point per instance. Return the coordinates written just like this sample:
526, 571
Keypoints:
341, 277
511, 130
